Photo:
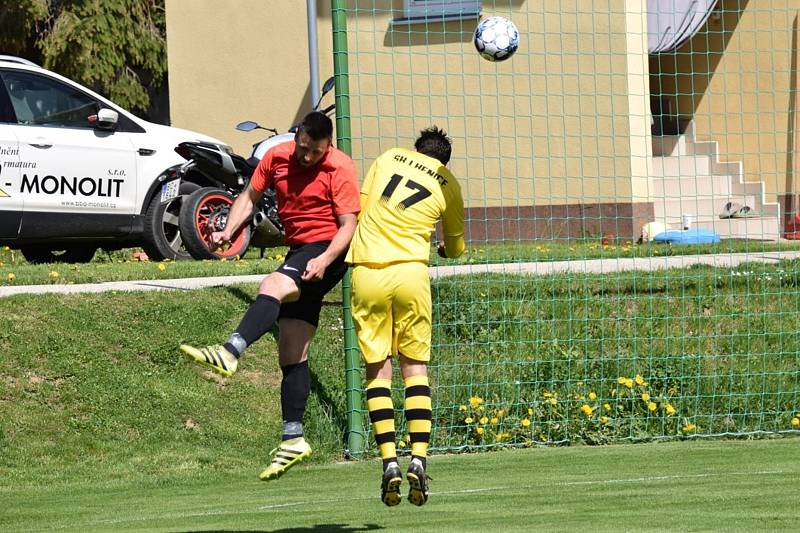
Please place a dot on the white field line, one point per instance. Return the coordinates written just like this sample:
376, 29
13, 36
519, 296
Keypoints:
449, 493
588, 266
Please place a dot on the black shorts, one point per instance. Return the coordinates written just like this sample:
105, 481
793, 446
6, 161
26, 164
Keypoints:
308, 306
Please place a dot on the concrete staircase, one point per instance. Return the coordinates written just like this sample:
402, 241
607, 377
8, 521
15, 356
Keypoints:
688, 178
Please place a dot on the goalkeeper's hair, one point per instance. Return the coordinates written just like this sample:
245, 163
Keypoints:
435, 143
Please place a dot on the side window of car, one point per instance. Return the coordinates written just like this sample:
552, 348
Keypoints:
41, 101
7, 115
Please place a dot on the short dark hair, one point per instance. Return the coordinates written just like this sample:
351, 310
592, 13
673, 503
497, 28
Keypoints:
316, 125
435, 143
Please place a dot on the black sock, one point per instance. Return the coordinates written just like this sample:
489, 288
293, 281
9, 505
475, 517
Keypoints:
258, 320
295, 387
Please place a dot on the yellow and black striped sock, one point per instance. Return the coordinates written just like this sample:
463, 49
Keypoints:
381, 414
418, 415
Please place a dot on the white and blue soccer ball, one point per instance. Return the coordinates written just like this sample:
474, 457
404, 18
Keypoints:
496, 38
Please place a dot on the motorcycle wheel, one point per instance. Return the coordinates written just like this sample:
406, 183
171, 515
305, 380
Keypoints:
204, 212
43, 253
162, 236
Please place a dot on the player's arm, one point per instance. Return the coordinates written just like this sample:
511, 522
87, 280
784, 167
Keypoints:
315, 269
453, 223
241, 211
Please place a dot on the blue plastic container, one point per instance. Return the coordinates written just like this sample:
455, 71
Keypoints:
688, 236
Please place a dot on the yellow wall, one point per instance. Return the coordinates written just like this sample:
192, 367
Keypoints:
248, 61
565, 121
737, 80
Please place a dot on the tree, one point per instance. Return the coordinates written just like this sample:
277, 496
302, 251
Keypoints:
117, 47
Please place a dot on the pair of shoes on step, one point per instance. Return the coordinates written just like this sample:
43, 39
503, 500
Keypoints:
735, 210
417, 481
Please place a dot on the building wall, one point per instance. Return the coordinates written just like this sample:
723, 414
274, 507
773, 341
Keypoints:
564, 123
248, 61
737, 79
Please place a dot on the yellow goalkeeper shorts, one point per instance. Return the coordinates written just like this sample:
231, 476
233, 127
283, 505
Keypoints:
391, 308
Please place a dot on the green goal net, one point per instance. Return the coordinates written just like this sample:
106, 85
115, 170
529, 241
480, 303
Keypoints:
631, 213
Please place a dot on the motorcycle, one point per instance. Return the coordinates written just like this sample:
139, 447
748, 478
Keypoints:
224, 175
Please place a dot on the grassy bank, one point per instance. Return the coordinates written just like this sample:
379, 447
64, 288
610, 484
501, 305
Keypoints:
92, 386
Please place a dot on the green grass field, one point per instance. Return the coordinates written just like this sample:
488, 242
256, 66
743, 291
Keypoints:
685, 486
104, 427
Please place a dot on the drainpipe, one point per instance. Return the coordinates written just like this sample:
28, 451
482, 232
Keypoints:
313, 57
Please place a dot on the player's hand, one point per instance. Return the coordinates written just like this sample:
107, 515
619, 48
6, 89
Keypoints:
219, 239
442, 253
315, 269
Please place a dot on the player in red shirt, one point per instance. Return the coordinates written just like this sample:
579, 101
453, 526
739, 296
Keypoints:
318, 201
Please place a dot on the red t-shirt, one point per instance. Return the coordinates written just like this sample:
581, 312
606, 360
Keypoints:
309, 199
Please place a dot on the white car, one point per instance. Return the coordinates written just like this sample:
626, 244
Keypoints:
77, 172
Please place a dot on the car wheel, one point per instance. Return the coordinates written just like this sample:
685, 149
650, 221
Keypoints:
204, 212
162, 236
44, 253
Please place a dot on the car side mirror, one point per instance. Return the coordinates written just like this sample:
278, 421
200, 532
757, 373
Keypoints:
105, 119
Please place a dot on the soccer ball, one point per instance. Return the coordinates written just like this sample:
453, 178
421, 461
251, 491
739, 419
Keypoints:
496, 38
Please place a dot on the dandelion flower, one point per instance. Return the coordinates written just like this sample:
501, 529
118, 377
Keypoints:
592, 396
604, 419
689, 427
475, 401
525, 422
483, 420
162, 266
639, 379
607, 406
11, 276
795, 422
530, 411
585, 409
652, 406
494, 420
670, 410
621, 380
500, 413
552, 401
629, 383
468, 420
462, 408
547, 394
479, 431
645, 397
53, 274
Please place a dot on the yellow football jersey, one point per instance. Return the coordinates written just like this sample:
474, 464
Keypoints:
403, 196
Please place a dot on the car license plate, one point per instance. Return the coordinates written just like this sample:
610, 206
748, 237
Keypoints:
169, 190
